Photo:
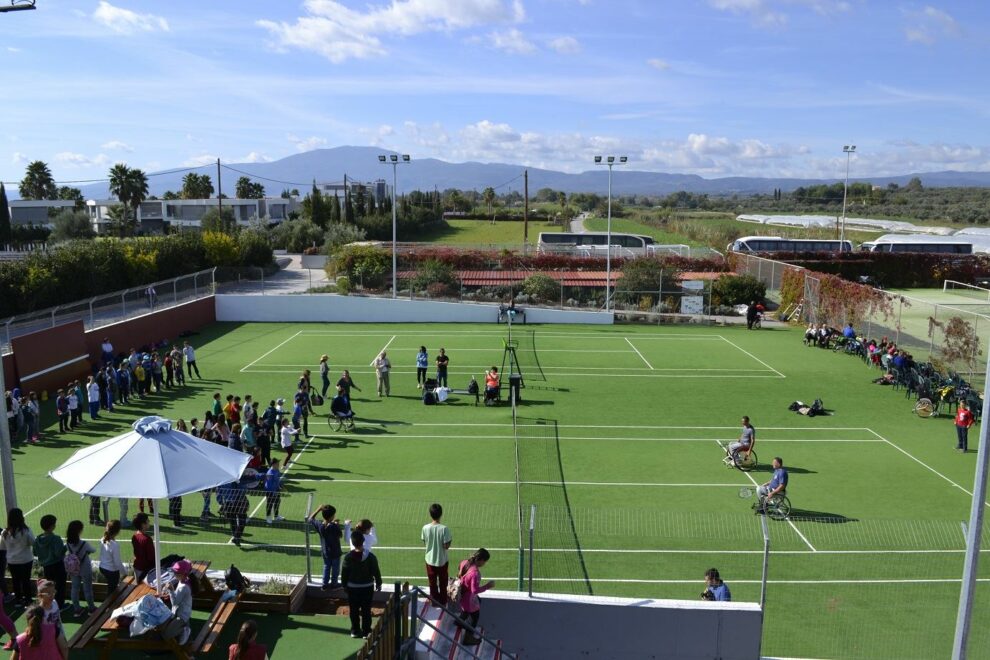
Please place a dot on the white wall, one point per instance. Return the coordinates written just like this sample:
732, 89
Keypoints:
331, 308
560, 626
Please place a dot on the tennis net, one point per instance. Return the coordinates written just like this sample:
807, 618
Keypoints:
529, 361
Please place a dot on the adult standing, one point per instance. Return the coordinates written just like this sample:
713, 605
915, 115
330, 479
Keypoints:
106, 351
470, 574
190, 355
17, 540
325, 374
437, 538
442, 362
177, 365
273, 496
751, 314
62, 411
93, 398
964, 419
382, 366
362, 578
306, 387
422, 362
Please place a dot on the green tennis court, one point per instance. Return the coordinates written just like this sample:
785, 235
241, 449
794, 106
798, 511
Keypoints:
617, 444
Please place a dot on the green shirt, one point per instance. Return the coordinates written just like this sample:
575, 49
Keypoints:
49, 549
217, 408
436, 537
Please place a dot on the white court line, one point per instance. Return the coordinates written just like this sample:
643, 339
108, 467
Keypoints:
513, 578
28, 513
923, 464
410, 370
387, 344
654, 374
789, 521
259, 358
638, 353
285, 470
555, 335
503, 483
644, 426
752, 356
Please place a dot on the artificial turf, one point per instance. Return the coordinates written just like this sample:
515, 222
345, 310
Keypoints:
618, 450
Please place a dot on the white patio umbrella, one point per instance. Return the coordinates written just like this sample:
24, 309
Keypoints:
154, 460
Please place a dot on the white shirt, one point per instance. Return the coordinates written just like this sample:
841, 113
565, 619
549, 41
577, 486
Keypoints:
381, 365
107, 347
93, 392
370, 539
110, 556
73, 400
287, 436
189, 353
18, 546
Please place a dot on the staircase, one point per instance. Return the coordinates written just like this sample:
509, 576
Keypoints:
438, 636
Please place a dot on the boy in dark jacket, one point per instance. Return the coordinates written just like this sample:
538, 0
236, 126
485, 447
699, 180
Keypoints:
361, 578
50, 551
330, 535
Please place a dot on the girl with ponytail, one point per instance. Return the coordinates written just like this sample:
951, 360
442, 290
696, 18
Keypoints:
470, 574
40, 640
246, 648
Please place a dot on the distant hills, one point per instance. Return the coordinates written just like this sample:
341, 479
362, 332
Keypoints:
361, 163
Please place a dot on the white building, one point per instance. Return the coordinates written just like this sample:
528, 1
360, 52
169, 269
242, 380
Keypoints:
153, 215
37, 212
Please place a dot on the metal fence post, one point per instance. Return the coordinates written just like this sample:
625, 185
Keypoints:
532, 526
53, 315
91, 312
766, 562
932, 329
123, 303
262, 280
307, 527
175, 291
897, 330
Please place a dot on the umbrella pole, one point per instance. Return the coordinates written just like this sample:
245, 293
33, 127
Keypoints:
158, 555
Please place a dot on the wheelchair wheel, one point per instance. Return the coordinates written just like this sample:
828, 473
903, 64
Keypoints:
779, 507
336, 423
924, 407
745, 461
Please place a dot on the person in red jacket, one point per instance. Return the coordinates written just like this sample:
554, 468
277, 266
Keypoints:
144, 547
964, 419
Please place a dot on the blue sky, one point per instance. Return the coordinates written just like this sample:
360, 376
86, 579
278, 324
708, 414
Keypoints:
710, 87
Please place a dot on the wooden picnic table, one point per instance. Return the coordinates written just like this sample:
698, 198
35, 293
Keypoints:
100, 630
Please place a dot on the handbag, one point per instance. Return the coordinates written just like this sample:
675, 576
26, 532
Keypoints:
455, 587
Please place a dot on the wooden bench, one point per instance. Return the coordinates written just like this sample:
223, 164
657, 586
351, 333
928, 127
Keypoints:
211, 630
95, 621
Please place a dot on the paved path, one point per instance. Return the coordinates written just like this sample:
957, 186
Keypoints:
290, 278
577, 224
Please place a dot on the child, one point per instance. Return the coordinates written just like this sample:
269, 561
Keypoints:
330, 535
287, 437
144, 547
111, 565
48, 604
80, 549
181, 597
273, 498
246, 646
41, 640
361, 576
50, 551
367, 528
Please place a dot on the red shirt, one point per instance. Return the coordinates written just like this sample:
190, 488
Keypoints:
144, 551
964, 418
253, 652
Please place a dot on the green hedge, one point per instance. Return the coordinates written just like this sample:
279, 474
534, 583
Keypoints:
82, 269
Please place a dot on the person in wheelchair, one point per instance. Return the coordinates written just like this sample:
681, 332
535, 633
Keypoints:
776, 486
492, 386
743, 445
340, 406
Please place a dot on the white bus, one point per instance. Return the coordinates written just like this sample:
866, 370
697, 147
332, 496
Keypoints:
916, 243
594, 241
777, 244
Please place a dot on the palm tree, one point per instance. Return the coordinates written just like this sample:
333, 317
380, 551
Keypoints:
488, 194
130, 186
38, 182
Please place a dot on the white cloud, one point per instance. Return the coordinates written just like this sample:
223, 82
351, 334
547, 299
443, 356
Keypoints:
117, 145
254, 157
565, 45
339, 33
200, 160
929, 25
306, 144
771, 13
511, 41
13, 49
17, 158
73, 159
658, 64
125, 21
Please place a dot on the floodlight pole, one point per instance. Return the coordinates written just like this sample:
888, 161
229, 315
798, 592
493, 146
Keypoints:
973, 532
394, 161
6, 460
609, 161
849, 150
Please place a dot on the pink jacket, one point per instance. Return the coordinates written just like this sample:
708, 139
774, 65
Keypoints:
471, 587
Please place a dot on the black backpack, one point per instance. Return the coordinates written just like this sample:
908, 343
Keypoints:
429, 398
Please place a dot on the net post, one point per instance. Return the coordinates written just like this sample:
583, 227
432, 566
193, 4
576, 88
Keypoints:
306, 528
766, 563
532, 526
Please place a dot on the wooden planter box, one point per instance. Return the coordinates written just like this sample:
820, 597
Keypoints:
291, 603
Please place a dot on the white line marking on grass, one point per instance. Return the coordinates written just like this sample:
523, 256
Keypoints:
511, 579
752, 356
285, 470
401, 370
387, 344
555, 335
654, 374
502, 483
789, 521
638, 353
261, 357
644, 426
28, 513
923, 464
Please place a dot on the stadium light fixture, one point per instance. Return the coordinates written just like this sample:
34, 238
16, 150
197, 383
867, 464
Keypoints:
18, 5
609, 161
393, 160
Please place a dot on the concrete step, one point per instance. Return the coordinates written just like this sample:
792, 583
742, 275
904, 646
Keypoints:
431, 645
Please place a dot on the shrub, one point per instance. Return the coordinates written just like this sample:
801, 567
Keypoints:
218, 221
70, 224
255, 248
432, 272
221, 249
439, 290
339, 233
343, 285
737, 290
542, 287
296, 235
365, 263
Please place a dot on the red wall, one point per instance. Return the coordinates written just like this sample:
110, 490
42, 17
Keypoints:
9, 371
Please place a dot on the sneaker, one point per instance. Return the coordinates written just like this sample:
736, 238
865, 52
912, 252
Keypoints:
9, 646
268, 519
233, 541
277, 518
325, 587
355, 635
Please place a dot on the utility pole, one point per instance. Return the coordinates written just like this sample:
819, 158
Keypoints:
6, 460
525, 208
219, 195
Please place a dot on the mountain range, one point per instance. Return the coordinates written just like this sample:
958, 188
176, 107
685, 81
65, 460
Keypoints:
361, 164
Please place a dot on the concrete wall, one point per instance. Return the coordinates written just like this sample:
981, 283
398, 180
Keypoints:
559, 626
152, 327
331, 308
314, 261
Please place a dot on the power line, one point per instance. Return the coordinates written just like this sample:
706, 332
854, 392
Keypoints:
107, 179
264, 178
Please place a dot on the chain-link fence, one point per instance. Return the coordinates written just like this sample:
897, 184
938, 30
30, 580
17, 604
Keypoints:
768, 271
112, 307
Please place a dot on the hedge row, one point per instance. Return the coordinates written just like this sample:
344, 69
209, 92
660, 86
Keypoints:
903, 270
82, 269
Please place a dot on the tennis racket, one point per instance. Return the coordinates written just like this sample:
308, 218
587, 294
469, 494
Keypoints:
746, 492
